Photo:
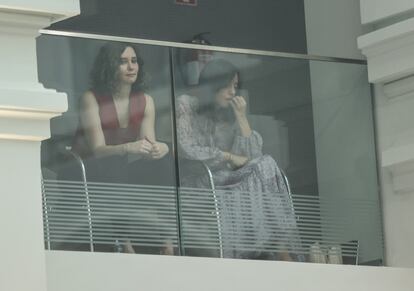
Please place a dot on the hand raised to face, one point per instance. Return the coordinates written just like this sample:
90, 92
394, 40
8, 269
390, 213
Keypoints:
239, 105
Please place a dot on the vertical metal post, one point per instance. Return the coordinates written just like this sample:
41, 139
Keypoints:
46, 214
175, 154
88, 204
216, 206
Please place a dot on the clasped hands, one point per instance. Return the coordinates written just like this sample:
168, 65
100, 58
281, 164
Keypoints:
148, 149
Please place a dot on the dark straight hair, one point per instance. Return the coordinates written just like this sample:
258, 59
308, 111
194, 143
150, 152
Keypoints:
216, 75
103, 75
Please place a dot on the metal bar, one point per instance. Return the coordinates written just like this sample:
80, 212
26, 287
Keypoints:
181, 249
88, 205
216, 206
46, 215
202, 47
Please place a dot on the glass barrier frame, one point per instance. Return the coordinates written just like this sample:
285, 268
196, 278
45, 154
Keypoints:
172, 46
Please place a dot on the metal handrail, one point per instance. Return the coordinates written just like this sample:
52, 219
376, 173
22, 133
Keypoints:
216, 206
202, 47
212, 187
79, 160
46, 213
289, 190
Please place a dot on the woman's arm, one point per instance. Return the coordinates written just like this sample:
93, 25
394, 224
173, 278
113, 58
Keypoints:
147, 130
194, 144
247, 142
239, 106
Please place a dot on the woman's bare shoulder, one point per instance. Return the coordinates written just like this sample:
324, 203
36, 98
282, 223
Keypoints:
149, 101
88, 95
88, 99
148, 98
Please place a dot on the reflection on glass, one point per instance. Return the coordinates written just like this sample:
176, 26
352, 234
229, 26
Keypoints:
345, 150
129, 185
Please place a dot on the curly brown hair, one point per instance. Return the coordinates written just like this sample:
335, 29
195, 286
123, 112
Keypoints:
104, 71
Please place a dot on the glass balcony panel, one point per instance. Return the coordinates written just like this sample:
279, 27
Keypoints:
281, 191
277, 163
109, 176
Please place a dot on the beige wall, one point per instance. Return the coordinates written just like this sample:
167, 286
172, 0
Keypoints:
388, 49
70, 271
25, 110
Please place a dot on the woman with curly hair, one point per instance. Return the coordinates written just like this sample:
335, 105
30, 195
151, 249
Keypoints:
117, 121
116, 139
117, 117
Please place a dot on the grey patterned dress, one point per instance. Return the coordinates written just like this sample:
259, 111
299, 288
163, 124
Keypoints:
256, 212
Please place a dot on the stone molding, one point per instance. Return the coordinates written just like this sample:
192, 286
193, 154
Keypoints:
25, 113
389, 52
25, 105
53, 10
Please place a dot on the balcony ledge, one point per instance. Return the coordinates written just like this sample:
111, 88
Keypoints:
113, 271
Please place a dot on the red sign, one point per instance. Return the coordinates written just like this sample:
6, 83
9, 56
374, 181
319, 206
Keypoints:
186, 2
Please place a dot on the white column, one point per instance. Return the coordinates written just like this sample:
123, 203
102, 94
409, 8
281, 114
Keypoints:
25, 110
389, 51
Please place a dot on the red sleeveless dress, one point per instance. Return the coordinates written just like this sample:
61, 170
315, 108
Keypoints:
112, 131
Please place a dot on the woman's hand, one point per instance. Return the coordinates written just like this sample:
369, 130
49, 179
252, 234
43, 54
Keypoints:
141, 147
239, 106
158, 150
237, 161
148, 149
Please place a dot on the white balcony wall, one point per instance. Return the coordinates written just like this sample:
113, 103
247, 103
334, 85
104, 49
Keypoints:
104, 272
25, 110
388, 49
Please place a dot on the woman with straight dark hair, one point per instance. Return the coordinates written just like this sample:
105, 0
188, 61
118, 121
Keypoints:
256, 215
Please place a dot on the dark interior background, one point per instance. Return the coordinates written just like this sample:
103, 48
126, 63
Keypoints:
277, 25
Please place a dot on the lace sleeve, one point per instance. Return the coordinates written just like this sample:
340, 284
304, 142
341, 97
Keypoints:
250, 147
193, 143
